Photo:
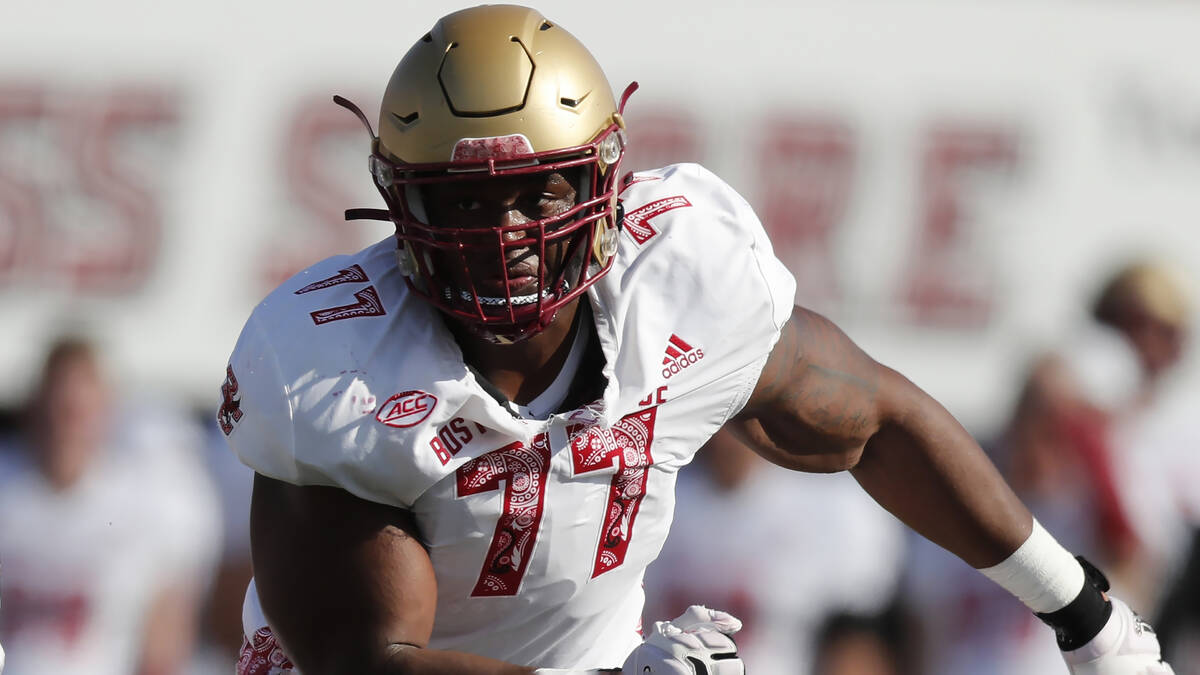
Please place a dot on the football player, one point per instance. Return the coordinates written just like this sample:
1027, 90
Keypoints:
105, 538
466, 436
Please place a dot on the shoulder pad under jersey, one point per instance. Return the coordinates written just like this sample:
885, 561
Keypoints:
341, 377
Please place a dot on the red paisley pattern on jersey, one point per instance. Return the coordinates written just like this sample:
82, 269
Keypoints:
627, 446
261, 655
523, 469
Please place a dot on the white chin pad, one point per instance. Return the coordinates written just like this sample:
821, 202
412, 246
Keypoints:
491, 301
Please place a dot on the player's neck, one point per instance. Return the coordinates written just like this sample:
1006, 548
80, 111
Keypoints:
524, 369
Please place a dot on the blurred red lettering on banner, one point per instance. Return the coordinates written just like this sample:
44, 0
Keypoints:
21, 200
78, 198
322, 160
948, 280
662, 136
805, 177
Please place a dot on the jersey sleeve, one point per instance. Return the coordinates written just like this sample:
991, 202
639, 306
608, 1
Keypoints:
700, 280
765, 296
323, 403
255, 410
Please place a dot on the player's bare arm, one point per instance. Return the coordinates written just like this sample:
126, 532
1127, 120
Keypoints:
822, 404
347, 585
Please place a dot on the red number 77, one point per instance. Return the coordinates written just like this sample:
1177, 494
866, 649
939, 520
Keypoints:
524, 469
368, 303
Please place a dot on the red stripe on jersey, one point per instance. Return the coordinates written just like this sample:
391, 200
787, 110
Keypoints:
678, 342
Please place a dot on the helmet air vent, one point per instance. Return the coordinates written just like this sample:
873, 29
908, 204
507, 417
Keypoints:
546, 25
428, 37
501, 63
406, 119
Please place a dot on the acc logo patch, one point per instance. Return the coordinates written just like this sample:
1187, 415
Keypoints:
406, 409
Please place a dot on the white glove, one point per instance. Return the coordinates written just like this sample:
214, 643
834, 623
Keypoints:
1126, 645
696, 643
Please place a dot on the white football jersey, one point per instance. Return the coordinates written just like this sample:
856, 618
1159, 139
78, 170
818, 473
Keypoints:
539, 530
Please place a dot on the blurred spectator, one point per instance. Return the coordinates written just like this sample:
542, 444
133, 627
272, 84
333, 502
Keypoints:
221, 628
1084, 450
107, 529
1156, 442
1052, 453
778, 549
1146, 303
851, 644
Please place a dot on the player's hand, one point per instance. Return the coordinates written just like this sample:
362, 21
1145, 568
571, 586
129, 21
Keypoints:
697, 641
1126, 645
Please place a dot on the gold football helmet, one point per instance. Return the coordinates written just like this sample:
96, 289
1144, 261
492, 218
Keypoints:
489, 93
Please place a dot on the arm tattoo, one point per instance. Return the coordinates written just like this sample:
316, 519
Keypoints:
818, 382
859, 382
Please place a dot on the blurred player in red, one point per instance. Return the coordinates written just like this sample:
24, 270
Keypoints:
1073, 453
1053, 453
1156, 439
467, 436
103, 547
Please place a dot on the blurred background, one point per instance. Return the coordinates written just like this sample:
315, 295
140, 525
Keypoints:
999, 199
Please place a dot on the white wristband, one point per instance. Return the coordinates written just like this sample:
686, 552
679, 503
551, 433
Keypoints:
1041, 573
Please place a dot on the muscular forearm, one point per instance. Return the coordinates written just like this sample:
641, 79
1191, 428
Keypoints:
336, 652
822, 404
407, 660
924, 468
410, 661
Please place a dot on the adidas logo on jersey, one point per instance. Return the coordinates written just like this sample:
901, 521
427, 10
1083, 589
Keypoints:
679, 355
